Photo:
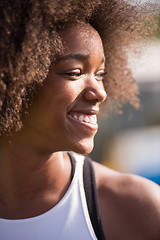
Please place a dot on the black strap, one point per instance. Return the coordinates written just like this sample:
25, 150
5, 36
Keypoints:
92, 198
91, 195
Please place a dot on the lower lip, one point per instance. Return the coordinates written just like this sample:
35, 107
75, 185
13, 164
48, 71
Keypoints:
92, 127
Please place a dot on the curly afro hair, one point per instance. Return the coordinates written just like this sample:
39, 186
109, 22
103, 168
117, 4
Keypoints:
30, 38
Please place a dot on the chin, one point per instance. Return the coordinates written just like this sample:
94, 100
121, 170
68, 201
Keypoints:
84, 148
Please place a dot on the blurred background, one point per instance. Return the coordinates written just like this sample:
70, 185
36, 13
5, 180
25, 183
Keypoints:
130, 142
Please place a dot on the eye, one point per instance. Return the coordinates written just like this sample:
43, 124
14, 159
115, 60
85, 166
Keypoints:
73, 74
100, 75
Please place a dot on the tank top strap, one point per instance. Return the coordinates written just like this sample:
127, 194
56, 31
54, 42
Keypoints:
89, 186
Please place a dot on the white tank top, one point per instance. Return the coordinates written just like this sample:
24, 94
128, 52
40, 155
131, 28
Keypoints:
68, 220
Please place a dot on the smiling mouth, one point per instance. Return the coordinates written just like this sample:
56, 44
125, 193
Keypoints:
89, 121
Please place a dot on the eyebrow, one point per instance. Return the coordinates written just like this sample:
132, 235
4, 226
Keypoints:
76, 56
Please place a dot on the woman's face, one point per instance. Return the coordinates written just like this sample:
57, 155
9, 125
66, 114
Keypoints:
66, 111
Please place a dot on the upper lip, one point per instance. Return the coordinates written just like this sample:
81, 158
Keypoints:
87, 111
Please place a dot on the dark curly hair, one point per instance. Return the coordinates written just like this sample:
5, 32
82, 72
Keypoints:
30, 38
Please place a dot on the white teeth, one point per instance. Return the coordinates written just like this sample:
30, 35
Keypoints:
75, 116
86, 119
92, 119
81, 118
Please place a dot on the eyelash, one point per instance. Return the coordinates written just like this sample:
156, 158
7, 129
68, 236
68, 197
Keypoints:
101, 75
74, 74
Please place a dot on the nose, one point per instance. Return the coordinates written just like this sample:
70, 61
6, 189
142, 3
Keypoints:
95, 93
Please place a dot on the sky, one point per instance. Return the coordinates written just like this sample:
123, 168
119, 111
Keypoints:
143, 1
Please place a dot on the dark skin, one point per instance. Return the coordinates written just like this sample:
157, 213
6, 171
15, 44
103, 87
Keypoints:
129, 205
30, 185
37, 153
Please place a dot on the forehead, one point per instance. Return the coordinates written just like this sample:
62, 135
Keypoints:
82, 39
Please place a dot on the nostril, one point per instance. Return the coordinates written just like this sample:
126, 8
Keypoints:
90, 95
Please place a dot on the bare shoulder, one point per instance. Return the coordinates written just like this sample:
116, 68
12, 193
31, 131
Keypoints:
124, 183
129, 205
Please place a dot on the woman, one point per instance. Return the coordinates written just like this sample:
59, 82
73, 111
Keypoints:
48, 192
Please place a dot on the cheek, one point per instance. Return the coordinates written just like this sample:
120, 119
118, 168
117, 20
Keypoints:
58, 89
56, 97
67, 93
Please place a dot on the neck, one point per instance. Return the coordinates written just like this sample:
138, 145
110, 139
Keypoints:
28, 174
